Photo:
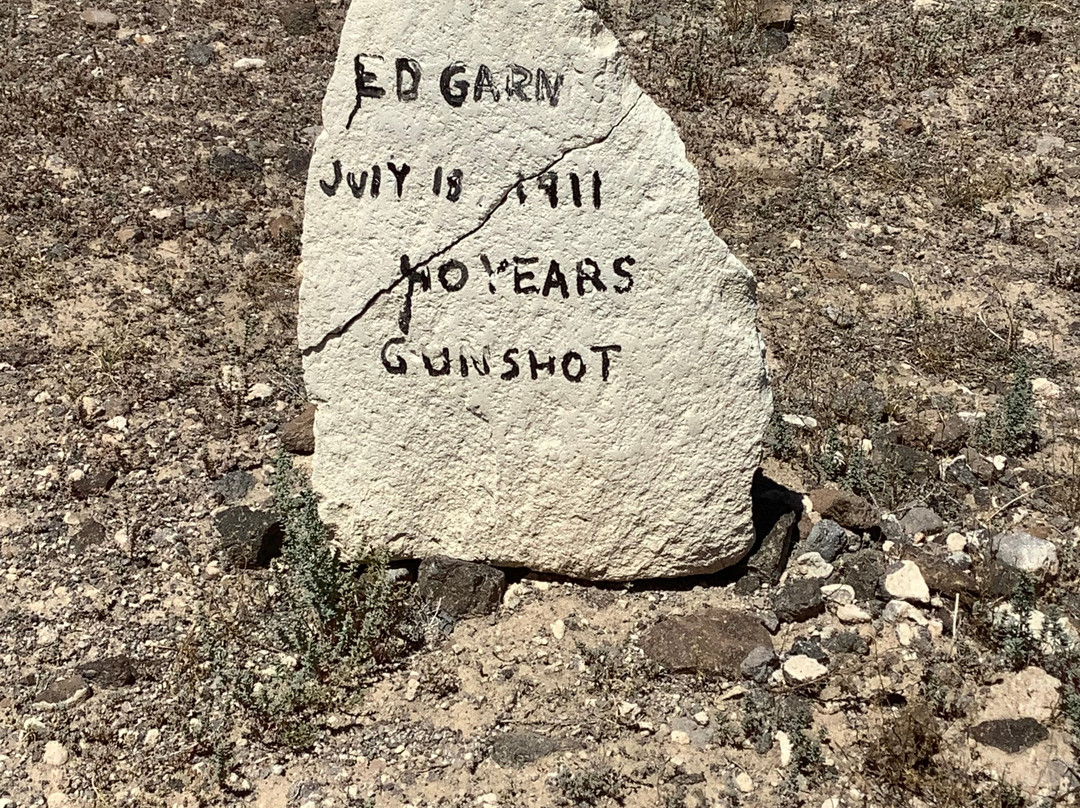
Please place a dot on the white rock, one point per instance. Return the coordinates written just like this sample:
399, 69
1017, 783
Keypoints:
810, 565
639, 470
902, 610
558, 629
744, 782
905, 581
831, 802
842, 594
784, 741
246, 64
412, 687
55, 754
905, 634
1030, 693
1026, 552
847, 613
680, 737
801, 668
702, 718
260, 391
628, 709
118, 423
956, 542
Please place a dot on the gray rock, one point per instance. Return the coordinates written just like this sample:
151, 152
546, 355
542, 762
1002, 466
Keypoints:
770, 621
64, 693
827, 538
709, 641
199, 54
1010, 735
798, 600
233, 486
921, 520
1025, 552
460, 588
109, 672
249, 538
759, 664
520, 747
298, 434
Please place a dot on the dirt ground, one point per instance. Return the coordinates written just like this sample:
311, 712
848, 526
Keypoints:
903, 178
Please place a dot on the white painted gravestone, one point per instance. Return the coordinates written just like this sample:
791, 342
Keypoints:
527, 345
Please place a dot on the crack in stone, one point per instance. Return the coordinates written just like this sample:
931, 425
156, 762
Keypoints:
405, 315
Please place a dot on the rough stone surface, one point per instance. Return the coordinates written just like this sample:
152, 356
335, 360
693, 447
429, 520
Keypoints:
99, 18
904, 580
921, 520
863, 572
234, 486
460, 588
249, 538
1010, 735
801, 668
1026, 552
844, 508
298, 434
520, 747
115, 671
799, 599
495, 453
94, 482
90, 533
710, 641
770, 557
300, 19
759, 664
827, 539
64, 693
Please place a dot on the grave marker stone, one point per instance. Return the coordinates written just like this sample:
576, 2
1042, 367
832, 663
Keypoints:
527, 344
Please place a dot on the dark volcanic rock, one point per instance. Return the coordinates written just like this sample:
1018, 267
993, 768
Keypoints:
249, 538
116, 671
1010, 735
799, 599
90, 533
709, 641
298, 434
862, 571
460, 588
844, 508
96, 481
770, 557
